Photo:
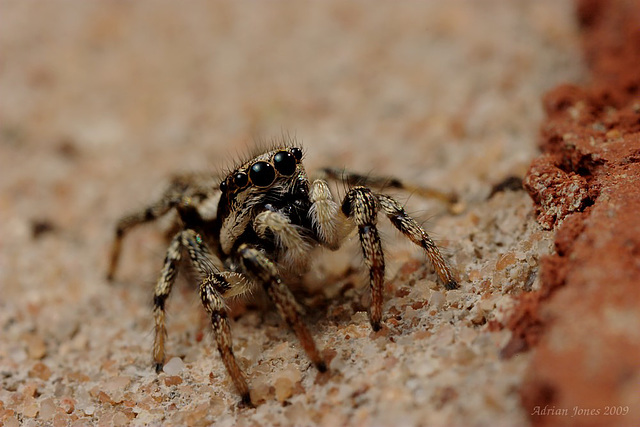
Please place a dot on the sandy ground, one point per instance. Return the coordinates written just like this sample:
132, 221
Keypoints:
101, 102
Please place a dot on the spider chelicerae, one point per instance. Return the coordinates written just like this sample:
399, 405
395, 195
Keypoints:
269, 217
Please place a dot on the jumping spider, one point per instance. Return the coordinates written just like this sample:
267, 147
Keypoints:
268, 218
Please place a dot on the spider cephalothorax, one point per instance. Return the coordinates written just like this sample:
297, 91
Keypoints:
266, 202
269, 217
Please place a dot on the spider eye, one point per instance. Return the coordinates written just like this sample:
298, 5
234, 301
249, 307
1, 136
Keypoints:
223, 186
297, 153
262, 174
285, 163
240, 180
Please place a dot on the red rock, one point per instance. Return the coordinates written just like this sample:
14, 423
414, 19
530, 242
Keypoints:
583, 322
556, 192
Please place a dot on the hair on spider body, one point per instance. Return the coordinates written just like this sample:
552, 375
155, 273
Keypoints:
269, 217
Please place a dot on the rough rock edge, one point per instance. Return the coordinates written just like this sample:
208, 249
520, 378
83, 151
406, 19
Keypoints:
585, 184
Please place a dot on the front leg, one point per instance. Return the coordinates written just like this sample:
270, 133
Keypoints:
161, 293
212, 289
295, 249
325, 215
204, 262
262, 270
361, 206
214, 304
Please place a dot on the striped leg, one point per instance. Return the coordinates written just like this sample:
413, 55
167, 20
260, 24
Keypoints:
162, 291
361, 206
181, 191
212, 289
410, 228
200, 258
126, 223
214, 304
385, 182
261, 268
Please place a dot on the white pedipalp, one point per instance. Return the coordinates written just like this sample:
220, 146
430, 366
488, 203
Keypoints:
293, 247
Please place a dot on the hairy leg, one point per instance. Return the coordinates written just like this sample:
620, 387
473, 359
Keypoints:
325, 215
214, 304
291, 243
385, 182
204, 263
162, 291
262, 269
410, 228
212, 288
126, 223
181, 191
361, 206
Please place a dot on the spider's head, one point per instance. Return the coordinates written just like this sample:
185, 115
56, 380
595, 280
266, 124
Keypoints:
274, 180
258, 175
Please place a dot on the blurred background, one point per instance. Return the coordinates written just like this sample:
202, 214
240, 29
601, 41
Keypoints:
137, 90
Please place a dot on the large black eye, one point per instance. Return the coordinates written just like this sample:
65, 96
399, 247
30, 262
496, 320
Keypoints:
297, 153
262, 174
285, 163
240, 180
223, 186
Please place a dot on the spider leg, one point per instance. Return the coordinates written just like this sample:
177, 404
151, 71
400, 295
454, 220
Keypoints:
214, 304
361, 206
262, 269
126, 223
295, 248
180, 191
410, 228
200, 258
161, 293
385, 182
325, 215
212, 289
